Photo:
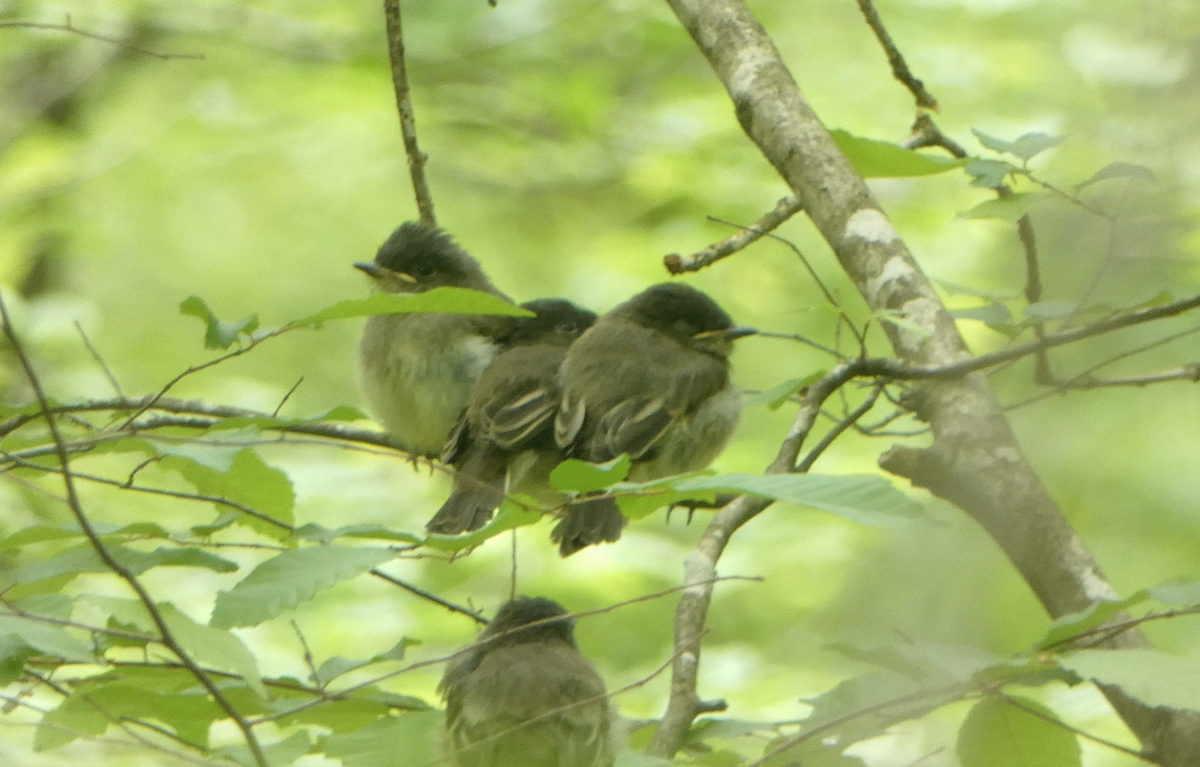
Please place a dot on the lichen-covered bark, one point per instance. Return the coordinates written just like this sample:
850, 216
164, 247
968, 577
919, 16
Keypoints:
975, 461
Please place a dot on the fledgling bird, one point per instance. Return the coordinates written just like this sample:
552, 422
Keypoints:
651, 379
416, 370
504, 441
522, 695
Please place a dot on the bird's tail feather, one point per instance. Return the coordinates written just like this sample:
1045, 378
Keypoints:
586, 522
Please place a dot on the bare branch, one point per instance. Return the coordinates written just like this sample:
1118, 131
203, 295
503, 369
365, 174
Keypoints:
67, 27
785, 209
408, 124
900, 70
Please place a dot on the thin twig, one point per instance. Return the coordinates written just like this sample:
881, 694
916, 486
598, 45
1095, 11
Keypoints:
783, 210
408, 124
112, 379
168, 638
67, 27
1017, 703
282, 402
900, 69
836, 431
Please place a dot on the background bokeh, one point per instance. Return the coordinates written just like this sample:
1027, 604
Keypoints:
573, 144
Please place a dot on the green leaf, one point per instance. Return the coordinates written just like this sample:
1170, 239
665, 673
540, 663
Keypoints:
247, 481
73, 717
211, 646
865, 706
583, 477
998, 734
1120, 170
278, 754
84, 559
509, 516
289, 578
45, 639
933, 663
990, 314
1032, 144
218, 334
988, 174
641, 504
1076, 623
376, 744
991, 142
955, 289
314, 532
781, 393
1177, 592
39, 534
882, 159
1008, 208
868, 498
339, 715
443, 300
1153, 677
337, 665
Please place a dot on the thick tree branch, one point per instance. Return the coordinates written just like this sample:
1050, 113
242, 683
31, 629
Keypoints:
975, 460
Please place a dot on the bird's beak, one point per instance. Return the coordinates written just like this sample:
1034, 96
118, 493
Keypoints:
377, 272
728, 334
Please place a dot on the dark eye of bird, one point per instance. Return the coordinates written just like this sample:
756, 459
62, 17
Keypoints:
566, 327
423, 269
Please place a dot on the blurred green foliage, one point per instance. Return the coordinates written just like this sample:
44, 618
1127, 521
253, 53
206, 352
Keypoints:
572, 145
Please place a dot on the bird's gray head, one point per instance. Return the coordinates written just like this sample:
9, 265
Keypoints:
418, 257
686, 314
530, 619
556, 321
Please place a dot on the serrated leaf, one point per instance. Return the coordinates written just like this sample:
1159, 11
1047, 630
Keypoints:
868, 498
376, 744
998, 734
443, 300
988, 174
573, 475
1031, 145
1153, 677
872, 158
72, 718
247, 481
337, 665
84, 559
39, 534
289, 578
218, 334
278, 754
211, 646
1008, 208
781, 393
46, 639
1120, 170
509, 516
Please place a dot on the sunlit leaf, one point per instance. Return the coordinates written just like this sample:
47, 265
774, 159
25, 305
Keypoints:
872, 158
289, 578
863, 498
583, 477
46, 639
376, 744
998, 734
84, 559
1153, 677
218, 334
446, 300
281, 752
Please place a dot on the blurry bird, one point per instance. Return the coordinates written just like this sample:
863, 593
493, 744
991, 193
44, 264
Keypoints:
522, 695
651, 379
416, 370
504, 441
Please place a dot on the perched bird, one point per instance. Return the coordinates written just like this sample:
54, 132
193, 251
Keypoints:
416, 370
651, 379
522, 695
504, 441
